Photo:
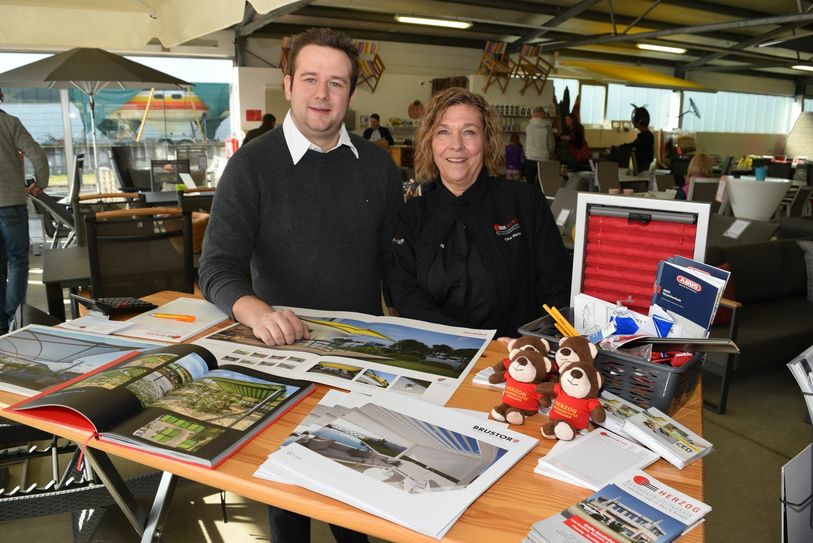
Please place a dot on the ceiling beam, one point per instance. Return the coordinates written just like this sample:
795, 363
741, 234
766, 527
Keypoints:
245, 29
582, 6
589, 15
699, 29
720, 9
279, 30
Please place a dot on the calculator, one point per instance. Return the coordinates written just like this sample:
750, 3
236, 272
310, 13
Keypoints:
116, 305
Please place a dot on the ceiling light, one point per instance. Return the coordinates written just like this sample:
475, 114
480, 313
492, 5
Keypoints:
661, 48
433, 22
805, 67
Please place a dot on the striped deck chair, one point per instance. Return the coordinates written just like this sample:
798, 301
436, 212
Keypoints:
495, 65
371, 67
532, 68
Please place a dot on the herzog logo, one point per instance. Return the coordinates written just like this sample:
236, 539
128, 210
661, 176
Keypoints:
508, 231
688, 283
495, 434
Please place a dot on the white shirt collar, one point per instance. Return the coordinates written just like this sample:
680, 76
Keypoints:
298, 144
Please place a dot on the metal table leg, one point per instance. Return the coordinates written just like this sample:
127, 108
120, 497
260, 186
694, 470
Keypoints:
118, 489
160, 507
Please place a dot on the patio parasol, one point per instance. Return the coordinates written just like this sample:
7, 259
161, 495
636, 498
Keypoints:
89, 70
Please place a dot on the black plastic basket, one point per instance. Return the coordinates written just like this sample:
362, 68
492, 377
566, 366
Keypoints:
641, 382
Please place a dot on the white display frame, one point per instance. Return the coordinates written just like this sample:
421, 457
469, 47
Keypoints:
700, 210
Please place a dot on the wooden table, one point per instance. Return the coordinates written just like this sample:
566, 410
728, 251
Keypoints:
504, 513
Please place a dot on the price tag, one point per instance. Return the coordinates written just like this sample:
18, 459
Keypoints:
562, 217
736, 229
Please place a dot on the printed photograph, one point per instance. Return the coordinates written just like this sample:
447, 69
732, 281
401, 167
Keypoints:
156, 372
35, 359
624, 517
334, 369
226, 398
401, 451
177, 433
376, 378
286, 366
394, 345
671, 433
411, 385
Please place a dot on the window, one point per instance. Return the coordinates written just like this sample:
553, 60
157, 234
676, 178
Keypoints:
621, 97
592, 104
737, 112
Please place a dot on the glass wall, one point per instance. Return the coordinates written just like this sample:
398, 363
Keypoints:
738, 112
620, 100
152, 124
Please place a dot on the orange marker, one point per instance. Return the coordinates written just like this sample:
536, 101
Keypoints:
172, 316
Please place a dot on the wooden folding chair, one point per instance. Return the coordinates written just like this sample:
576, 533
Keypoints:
371, 67
532, 68
495, 65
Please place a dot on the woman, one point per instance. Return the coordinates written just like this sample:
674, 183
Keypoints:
700, 166
575, 152
478, 251
514, 158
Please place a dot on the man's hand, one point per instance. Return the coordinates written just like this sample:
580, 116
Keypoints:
271, 326
33, 189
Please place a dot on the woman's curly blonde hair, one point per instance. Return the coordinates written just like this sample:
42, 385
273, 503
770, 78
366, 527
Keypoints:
425, 168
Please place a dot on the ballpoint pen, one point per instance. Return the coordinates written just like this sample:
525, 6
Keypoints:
172, 316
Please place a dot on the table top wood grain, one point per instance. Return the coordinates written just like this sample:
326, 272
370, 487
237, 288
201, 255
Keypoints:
505, 512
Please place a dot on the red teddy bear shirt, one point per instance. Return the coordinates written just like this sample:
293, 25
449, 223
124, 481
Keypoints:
518, 394
575, 411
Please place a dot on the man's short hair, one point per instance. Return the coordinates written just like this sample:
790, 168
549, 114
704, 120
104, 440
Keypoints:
269, 119
326, 37
538, 110
375, 116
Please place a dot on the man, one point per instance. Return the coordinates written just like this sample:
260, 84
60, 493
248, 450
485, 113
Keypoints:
539, 142
377, 132
303, 217
268, 123
15, 143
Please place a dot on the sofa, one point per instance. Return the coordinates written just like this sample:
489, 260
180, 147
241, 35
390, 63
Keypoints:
772, 320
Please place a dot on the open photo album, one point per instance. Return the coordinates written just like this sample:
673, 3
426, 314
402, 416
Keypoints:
173, 401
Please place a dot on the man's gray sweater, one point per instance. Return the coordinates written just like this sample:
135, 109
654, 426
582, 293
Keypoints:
316, 234
13, 139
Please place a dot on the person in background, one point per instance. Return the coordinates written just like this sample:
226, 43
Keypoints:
699, 166
268, 123
514, 158
16, 144
643, 146
539, 142
574, 151
478, 251
377, 132
304, 217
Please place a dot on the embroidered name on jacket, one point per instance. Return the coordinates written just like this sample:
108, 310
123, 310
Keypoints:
508, 231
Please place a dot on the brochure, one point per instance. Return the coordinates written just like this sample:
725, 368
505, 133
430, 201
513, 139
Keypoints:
173, 401
633, 507
362, 353
617, 410
95, 324
675, 443
35, 358
575, 461
413, 463
689, 294
176, 321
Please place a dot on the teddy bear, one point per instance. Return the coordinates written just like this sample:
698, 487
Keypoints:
527, 366
575, 396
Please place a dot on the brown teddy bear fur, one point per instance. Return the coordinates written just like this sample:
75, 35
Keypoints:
576, 394
527, 366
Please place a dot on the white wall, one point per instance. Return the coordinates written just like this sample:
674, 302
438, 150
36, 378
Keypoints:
248, 92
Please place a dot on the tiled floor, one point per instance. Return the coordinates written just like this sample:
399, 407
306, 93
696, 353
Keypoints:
761, 431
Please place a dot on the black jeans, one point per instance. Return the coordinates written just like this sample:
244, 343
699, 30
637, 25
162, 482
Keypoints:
531, 171
288, 527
